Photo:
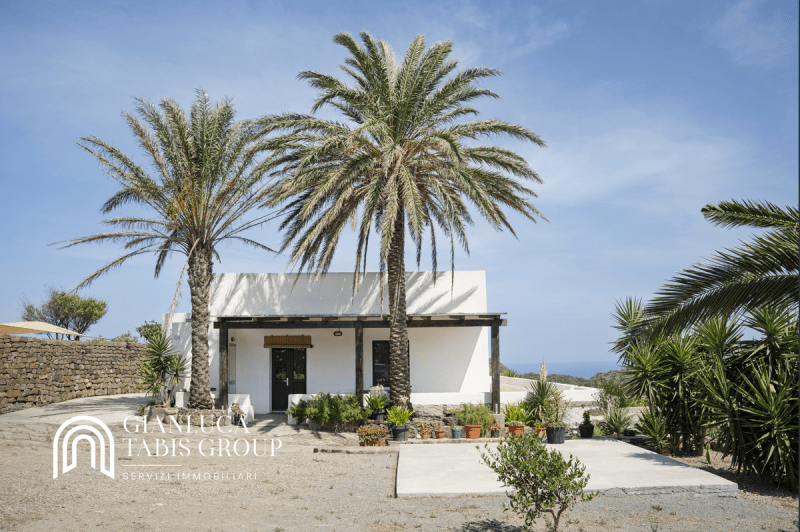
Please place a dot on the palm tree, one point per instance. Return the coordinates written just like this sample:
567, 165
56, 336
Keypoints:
403, 156
761, 272
207, 179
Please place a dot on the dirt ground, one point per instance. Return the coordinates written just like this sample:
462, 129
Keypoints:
298, 489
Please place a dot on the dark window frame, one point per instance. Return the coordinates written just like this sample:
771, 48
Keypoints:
386, 342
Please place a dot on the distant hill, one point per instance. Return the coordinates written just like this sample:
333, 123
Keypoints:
592, 382
502, 367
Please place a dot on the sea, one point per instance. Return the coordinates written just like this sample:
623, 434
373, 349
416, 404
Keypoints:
583, 368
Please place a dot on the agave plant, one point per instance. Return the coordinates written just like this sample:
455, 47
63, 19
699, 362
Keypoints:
541, 395
617, 421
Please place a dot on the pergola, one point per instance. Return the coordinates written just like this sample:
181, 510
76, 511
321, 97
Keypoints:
359, 322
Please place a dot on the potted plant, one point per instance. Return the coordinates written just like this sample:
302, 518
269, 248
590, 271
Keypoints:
474, 418
457, 431
586, 428
519, 413
424, 430
540, 394
450, 413
372, 435
376, 401
494, 429
515, 427
398, 417
439, 433
554, 421
238, 414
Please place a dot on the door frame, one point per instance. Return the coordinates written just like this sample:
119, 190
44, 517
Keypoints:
289, 373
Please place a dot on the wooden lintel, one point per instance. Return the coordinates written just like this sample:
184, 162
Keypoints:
350, 324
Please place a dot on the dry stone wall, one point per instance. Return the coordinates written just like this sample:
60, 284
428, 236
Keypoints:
37, 372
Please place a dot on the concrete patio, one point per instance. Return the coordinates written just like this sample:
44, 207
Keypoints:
615, 468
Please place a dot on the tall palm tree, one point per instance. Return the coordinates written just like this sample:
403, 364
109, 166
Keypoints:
761, 272
403, 157
207, 179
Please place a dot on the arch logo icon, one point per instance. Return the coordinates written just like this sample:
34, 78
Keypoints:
78, 429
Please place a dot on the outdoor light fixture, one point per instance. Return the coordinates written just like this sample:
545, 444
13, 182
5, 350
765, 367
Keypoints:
337, 333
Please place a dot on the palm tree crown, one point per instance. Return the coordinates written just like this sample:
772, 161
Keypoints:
761, 272
207, 180
403, 155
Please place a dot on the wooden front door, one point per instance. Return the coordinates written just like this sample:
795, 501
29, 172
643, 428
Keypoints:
288, 376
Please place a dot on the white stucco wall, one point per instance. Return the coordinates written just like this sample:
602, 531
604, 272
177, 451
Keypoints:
271, 294
446, 363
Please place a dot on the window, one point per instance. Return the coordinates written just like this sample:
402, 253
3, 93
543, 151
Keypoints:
380, 363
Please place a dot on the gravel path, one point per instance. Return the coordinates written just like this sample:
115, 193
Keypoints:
298, 489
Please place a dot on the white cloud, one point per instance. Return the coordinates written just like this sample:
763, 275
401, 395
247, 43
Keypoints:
755, 37
622, 149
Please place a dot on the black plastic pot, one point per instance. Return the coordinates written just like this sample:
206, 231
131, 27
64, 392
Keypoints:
400, 432
495, 434
587, 431
457, 434
556, 434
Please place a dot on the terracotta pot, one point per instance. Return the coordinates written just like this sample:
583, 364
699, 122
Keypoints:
439, 434
425, 436
381, 443
516, 429
473, 431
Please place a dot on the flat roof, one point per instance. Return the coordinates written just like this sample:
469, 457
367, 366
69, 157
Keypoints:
361, 317
321, 321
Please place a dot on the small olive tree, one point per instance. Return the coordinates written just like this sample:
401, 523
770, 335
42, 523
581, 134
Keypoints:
544, 482
66, 310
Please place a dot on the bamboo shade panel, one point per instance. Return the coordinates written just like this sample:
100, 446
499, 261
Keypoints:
288, 342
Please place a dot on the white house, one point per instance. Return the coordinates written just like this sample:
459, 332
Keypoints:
285, 336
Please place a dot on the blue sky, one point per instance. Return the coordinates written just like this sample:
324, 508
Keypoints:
650, 110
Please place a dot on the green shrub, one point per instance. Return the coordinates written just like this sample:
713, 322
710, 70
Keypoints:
544, 482
510, 373
327, 408
372, 433
124, 337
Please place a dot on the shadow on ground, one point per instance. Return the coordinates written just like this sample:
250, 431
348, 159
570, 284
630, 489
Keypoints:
492, 525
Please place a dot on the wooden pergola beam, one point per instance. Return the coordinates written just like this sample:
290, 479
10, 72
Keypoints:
367, 324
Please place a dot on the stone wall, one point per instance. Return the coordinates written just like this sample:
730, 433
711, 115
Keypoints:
36, 372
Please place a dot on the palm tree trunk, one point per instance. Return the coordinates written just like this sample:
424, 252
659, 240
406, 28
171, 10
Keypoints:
199, 276
399, 385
